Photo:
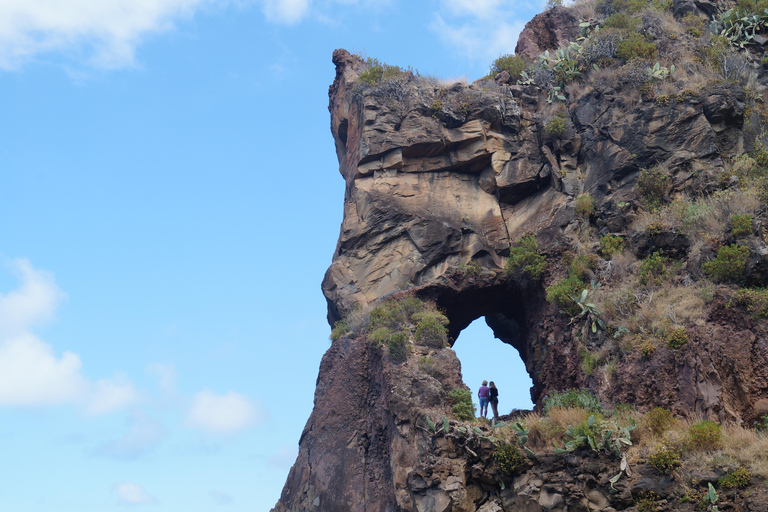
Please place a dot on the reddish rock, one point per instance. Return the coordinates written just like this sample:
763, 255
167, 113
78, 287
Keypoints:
548, 30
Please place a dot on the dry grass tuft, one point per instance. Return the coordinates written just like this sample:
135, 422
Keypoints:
545, 430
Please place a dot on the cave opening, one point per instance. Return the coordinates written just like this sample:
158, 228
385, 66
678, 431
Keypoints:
483, 357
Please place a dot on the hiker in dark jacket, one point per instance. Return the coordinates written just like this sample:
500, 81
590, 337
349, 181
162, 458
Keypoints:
494, 398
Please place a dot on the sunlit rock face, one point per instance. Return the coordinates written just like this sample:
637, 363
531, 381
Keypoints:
441, 178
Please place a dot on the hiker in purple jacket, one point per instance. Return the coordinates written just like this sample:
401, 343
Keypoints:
484, 395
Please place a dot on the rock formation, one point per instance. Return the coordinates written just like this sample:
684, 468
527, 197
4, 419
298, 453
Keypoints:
442, 177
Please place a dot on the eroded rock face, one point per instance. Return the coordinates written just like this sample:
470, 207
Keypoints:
440, 177
548, 30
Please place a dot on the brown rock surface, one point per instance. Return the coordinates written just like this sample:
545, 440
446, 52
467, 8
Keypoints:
439, 177
548, 30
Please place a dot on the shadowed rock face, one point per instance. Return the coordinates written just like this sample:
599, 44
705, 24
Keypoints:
438, 177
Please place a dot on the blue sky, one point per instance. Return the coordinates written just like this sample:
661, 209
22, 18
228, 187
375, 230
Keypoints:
170, 200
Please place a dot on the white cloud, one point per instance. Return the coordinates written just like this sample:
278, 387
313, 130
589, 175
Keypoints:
144, 433
479, 38
33, 303
129, 493
222, 414
32, 375
477, 8
108, 395
111, 28
286, 11
165, 375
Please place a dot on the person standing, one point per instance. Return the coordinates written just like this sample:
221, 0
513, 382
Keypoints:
484, 395
493, 396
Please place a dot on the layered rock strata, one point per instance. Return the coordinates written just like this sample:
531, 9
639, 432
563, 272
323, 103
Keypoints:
439, 177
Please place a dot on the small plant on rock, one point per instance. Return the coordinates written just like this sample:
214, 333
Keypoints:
340, 328
653, 270
512, 64
379, 72
636, 46
739, 478
677, 338
741, 225
562, 293
398, 347
508, 459
754, 300
555, 126
462, 407
431, 330
704, 435
380, 336
610, 245
659, 420
652, 184
525, 256
665, 459
573, 398
729, 265
427, 365
589, 312
585, 205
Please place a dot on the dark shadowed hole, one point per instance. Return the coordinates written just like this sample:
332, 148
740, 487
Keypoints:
483, 357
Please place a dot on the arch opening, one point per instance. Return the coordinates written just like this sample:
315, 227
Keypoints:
483, 357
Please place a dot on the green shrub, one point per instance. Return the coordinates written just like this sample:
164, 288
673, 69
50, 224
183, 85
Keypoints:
379, 72
636, 46
398, 346
730, 264
508, 459
525, 256
716, 51
512, 64
647, 501
746, 7
653, 269
659, 420
582, 266
573, 398
628, 6
389, 315
611, 245
666, 459
585, 205
694, 24
380, 336
395, 313
462, 407
340, 328
471, 268
555, 126
647, 346
663, 5
739, 478
677, 338
741, 225
427, 365
754, 300
621, 21
562, 293
431, 331
588, 361
652, 185
704, 435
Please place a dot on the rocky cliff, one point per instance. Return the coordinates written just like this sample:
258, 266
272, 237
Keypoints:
443, 179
